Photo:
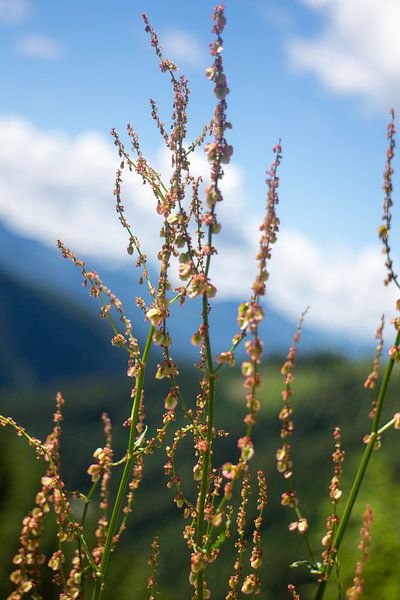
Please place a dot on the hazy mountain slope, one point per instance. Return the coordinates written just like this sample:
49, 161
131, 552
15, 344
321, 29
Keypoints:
41, 266
44, 337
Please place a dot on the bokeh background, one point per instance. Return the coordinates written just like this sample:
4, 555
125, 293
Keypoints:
319, 74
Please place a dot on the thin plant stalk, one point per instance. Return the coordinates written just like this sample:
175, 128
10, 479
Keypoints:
373, 437
87, 501
101, 573
207, 452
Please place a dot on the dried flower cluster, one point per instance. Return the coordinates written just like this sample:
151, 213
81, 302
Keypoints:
335, 494
356, 590
372, 378
384, 230
283, 458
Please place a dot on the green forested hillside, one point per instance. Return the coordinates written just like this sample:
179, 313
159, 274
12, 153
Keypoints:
328, 391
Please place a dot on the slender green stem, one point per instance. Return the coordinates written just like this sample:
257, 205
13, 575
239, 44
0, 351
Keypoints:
112, 322
97, 592
86, 500
181, 400
206, 463
207, 453
387, 426
305, 535
62, 570
361, 470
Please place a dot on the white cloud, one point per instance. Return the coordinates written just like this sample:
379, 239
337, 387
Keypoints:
357, 50
343, 287
40, 46
14, 12
57, 186
184, 48
52, 185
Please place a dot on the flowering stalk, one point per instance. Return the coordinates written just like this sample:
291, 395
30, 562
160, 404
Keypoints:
384, 230
359, 477
101, 572
218, 152
241, 543
372, 378
284, 462
356, 590
329, 557
152, 563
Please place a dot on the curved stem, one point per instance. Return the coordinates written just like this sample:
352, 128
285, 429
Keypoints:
305, 536
87, 500
337, 540
97, 592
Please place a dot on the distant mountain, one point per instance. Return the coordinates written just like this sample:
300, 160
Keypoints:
33, 264
44, 337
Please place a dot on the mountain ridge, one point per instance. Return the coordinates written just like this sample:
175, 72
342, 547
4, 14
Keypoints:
31, 264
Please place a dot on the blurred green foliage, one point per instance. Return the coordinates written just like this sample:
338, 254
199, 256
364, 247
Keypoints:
327, 391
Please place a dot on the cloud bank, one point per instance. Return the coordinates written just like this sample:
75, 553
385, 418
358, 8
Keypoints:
57, 186
357, 50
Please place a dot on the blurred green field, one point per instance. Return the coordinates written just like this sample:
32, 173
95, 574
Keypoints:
327, 391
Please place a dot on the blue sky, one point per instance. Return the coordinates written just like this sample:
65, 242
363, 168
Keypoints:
320, 74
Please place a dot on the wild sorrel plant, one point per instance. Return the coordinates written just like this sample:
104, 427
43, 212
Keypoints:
189, 224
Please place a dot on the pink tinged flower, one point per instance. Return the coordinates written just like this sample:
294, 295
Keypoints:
246, 446
336, 494
217, 519
211, 151
221, 91
155, 316
94, 472
197, 562
166, 369
133, 370
173, 218
171, 400
225, 357
301, 526
179, 500
216, 48
244, 315
118, 340
56, 560
251, 585
211, 290
197, 472
227, 153
247, 369
247, 587
256, 563
210, 72
229, 470
216, 228
196, 338
185, 271
212, 198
